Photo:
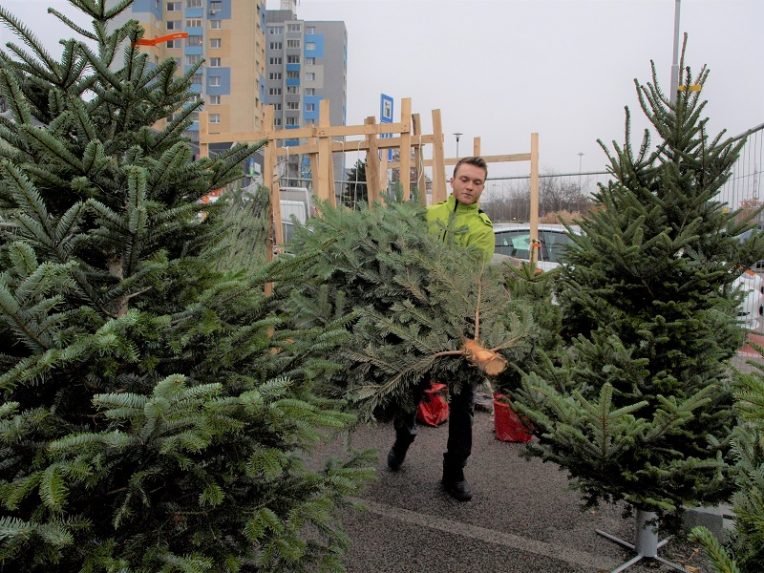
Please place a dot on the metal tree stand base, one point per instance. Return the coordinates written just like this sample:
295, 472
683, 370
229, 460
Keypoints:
647, 543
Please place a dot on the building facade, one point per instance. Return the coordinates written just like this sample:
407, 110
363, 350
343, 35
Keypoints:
229, 36
306, 62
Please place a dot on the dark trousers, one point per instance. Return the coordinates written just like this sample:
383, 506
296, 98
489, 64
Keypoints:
460, 415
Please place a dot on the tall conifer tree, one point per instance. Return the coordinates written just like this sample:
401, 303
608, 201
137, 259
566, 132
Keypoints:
154, 412
640, 409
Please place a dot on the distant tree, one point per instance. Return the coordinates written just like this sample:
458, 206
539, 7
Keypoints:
355, 191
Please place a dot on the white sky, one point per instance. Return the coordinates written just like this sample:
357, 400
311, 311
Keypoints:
500, 69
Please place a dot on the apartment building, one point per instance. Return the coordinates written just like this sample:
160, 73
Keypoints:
228, 36
306, 61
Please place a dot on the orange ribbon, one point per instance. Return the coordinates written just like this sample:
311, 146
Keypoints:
160, 39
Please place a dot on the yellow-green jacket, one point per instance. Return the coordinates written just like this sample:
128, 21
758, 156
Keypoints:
479, 227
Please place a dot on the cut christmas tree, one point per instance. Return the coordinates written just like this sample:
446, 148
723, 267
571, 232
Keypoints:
154, 416
640, 409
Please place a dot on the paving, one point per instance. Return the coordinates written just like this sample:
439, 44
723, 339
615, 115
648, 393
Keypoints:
523, 516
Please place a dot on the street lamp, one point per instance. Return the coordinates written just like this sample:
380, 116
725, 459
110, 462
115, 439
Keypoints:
675, 61
457, 134
580, 161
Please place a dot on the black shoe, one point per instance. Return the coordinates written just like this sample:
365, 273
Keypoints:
459, 490
395, 460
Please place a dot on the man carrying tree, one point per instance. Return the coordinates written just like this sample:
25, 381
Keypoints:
471, 228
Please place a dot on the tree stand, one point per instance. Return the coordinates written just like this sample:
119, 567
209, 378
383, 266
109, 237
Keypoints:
647, 543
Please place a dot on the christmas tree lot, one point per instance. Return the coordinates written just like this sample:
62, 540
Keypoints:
639, 409
156, 408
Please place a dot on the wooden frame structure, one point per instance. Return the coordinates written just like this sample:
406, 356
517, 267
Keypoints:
405, 135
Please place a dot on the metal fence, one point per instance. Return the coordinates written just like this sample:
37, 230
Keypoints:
743, 189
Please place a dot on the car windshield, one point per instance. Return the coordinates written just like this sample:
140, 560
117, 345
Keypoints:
516, 243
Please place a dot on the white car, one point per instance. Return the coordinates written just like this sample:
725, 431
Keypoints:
513, 240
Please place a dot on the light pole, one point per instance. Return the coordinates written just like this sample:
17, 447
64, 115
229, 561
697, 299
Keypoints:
675, 61
457, 134
580, 162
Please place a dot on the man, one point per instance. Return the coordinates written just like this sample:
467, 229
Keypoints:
467, 184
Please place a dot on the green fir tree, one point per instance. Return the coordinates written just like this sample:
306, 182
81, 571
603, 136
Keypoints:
418, 302
745, 551
156, 411
640, 408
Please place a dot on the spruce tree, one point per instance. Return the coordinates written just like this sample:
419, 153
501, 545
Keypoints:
640, 410
744, 553
155, 408
423, 308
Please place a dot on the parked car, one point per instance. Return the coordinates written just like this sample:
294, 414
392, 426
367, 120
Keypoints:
513, 241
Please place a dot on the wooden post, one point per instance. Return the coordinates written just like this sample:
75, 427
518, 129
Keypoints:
534, 214
405, 149
204, 147
383, 182
438, 165
271, 182
325, 189
314, 168
476, 147
421, 180
372, 164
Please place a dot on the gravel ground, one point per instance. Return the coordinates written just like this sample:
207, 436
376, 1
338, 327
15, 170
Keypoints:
522, 518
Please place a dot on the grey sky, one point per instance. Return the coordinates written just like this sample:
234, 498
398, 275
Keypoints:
500, 69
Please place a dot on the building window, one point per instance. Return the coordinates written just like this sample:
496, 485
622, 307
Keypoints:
197, 79
293, 59
310, 76
173, 25
291, 121
193, 3
216, 42
194, 23
293, 75
274, 91
310, 30
310, 61
310, 91
172, 43
293, 43
277, 121
277, 106
274, 76
193, 60
214, 82
214, 118
275, 61
293, 27
174, 7
310, 107
215, 24
194, 40
214, 62
216, 6
275, 30
293, 90
310, 46
215, 100
293, 105
275, 46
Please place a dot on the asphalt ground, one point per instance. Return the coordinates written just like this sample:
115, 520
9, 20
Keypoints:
523, 516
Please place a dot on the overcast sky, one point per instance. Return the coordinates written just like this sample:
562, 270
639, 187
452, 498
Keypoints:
500, 69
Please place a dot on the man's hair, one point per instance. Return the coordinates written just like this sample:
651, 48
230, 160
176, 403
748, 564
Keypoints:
476, 161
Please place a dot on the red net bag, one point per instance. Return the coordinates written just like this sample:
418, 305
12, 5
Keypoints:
433, 408
508, 425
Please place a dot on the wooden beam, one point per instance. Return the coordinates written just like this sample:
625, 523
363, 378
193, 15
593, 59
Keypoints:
324, 155
204, 146
405, 149
269, 177
476, 147
488, 159
438, 166
346, 146
534, 214
307, 132
372, 165
421, 180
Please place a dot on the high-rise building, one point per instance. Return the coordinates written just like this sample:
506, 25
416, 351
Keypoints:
306, 61
229, 36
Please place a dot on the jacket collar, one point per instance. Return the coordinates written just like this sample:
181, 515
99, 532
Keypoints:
461, 207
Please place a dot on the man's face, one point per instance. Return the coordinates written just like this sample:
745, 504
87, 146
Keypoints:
467, 184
